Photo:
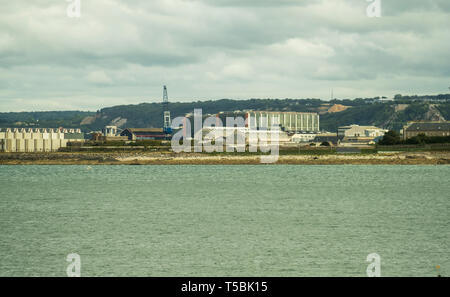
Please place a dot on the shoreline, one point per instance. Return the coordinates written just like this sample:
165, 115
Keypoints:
155, 158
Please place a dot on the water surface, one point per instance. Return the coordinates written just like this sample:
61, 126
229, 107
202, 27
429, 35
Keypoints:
224, 220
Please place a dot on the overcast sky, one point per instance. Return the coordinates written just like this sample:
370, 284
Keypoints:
124, 51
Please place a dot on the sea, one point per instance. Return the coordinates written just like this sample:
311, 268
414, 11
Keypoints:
262, 220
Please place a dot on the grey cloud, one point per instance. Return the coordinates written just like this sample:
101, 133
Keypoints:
207, 49
254, 3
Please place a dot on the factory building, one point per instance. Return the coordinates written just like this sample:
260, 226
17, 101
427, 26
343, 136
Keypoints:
288, 121
109, 134
360, 131
223, 134
355, 135
110, 131
294, 122
413, 129
144, 134
303, 137
37, 140
259, 123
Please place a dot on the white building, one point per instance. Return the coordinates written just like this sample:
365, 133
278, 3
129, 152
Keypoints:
303, 137
110, 131
288, 121
37, 140
360, 131
240, 134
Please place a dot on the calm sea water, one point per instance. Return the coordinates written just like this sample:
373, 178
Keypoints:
224, 220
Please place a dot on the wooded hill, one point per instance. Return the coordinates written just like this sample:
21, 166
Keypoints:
369, 111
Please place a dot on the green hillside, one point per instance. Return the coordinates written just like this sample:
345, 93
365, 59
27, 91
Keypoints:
150, 114
44, 119
386, 114
369, 114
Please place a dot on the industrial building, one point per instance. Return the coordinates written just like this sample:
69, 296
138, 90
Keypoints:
110, 131
221, 134
144, 134
360, 131
37, 140
293, 122
303, 137
413, 129
294, 127
288, 121
136, 134
355, 135
109, 134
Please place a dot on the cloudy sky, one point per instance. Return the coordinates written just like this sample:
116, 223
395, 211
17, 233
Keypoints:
124, 51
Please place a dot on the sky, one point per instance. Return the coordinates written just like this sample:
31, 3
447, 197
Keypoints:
124, 51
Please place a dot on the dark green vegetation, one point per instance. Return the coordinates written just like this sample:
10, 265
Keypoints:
385, 115
367, 111
444, 109
369, 114
150, 114
411, 148
433, 98
43, 119
390, 138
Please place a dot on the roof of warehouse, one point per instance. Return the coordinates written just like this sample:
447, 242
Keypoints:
438, 126
145, 130
358, 126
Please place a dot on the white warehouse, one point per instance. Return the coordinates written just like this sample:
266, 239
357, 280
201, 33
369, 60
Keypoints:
37, 140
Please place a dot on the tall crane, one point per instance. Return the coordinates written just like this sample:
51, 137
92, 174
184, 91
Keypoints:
167, 121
